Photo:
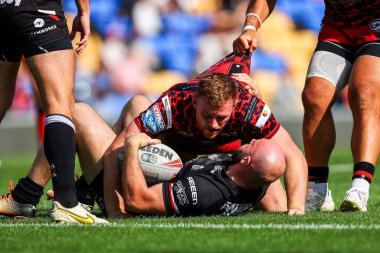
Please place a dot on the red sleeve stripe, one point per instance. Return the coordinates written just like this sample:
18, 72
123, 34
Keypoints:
171, 197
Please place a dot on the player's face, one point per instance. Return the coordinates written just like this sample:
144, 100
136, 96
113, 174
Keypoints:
212, 120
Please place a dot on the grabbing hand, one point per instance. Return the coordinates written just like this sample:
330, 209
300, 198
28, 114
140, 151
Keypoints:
81, 24
139, 140
251, 85
247, 41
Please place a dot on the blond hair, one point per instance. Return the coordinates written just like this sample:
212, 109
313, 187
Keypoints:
217, 89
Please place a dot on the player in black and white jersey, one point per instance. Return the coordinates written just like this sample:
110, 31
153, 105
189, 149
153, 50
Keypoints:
205, 187
226, 184
37, 31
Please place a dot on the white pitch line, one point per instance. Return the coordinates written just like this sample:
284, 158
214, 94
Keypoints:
207, 226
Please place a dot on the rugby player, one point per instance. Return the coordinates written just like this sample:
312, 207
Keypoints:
38, 31
347, 54
215, 184
209, 114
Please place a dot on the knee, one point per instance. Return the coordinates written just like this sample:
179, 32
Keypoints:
314, 100
362, 97
135, 106
310, 98
137, 102
80, 110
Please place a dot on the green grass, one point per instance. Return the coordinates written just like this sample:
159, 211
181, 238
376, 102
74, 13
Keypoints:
253, 232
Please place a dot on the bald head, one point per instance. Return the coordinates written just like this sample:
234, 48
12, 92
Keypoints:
258, 163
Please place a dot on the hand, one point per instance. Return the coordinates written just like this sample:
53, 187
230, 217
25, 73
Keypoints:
139, 140
251, 85
81, 24
295, 211
247, 41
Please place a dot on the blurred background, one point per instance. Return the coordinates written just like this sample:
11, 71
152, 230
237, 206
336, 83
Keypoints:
146, 46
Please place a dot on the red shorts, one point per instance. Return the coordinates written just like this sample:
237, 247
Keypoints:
352, 36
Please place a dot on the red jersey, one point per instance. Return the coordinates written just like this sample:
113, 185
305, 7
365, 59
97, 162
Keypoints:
173, 114
349, 13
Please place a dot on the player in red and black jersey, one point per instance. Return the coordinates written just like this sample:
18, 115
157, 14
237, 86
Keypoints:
347, 54
211, 113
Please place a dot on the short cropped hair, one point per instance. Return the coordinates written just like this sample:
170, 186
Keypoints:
217, 89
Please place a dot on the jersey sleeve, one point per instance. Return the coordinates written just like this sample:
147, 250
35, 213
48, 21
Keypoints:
259, 121
157, 119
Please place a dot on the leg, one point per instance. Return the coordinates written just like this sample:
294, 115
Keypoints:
364, 101
318, 125
363, 97
54, 75
94, 136
8, 73
319, 140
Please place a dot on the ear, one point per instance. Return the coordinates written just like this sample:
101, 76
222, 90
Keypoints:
195, 101
246, 160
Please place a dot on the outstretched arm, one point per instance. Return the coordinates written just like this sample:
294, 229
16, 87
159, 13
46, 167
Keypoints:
137, 196
257, 12
296, 172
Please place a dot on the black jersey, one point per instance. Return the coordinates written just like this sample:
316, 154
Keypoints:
202, 187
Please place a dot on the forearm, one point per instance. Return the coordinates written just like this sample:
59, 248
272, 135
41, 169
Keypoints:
112, 185
262, 8
295, 174
296, 181
133, 180
83, 7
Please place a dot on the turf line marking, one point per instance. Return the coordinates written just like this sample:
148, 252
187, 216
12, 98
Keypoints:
207, 226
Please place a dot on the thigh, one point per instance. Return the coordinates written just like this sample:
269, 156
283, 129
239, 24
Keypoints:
332, 61
54, 75
366, 69
8, 75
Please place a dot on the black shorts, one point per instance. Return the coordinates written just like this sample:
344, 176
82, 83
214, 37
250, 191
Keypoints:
31, 27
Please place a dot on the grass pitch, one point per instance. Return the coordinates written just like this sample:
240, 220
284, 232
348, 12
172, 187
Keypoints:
252, 232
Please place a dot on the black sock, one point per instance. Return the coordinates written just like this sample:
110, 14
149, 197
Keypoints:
318, 174
59, 144
27, 191
96, 190
83, 192
364, 170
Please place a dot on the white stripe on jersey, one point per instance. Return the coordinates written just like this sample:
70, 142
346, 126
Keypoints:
168, 109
